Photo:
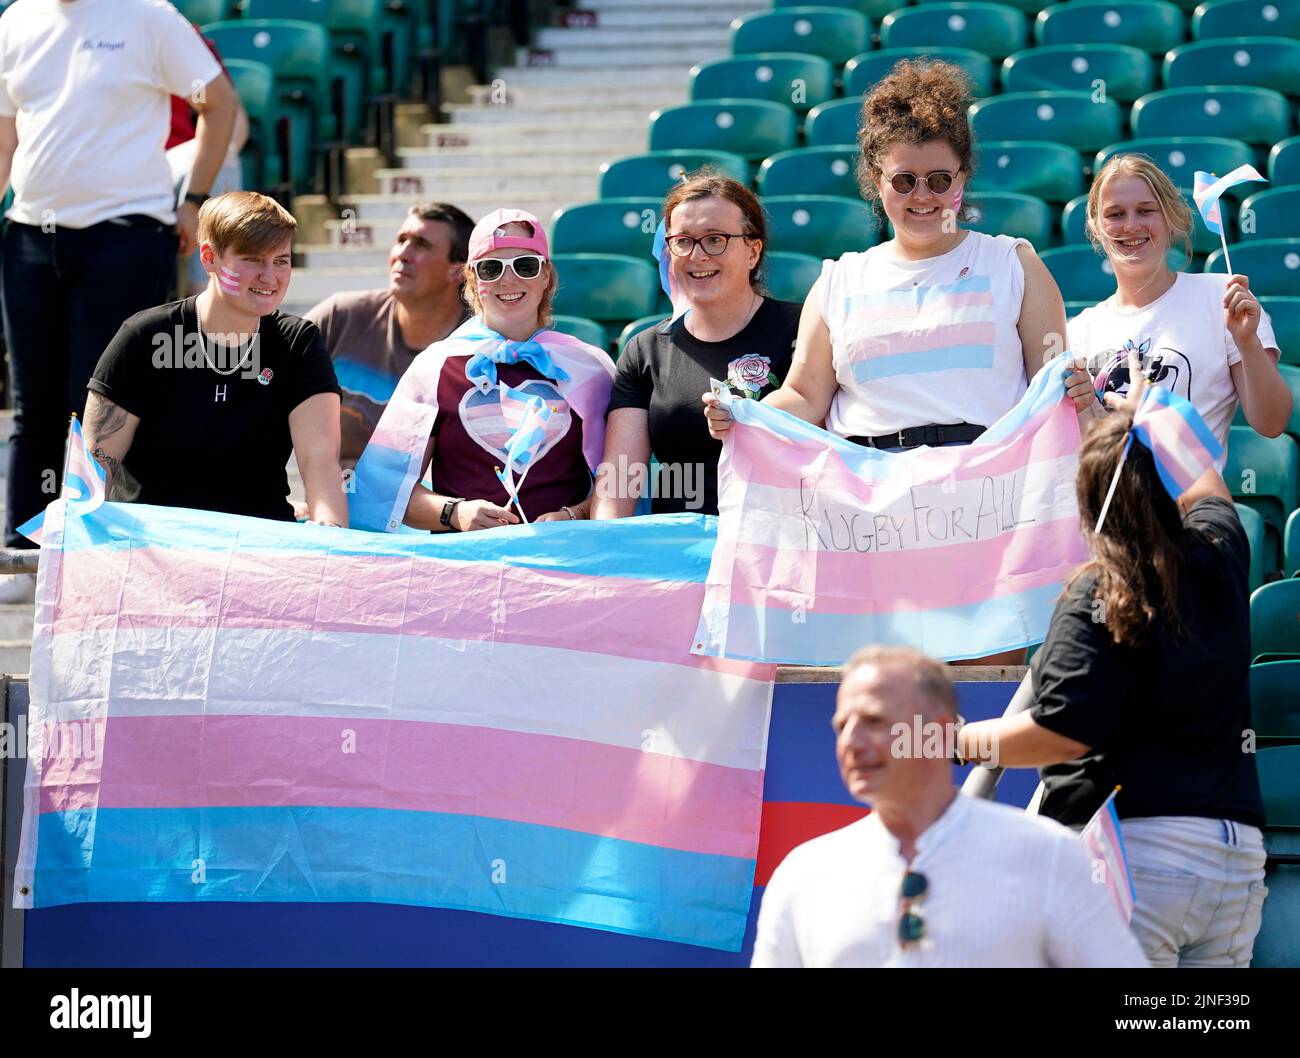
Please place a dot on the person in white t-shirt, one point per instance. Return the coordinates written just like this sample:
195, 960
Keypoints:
93, 232
930, 878
929, 337
1202, 334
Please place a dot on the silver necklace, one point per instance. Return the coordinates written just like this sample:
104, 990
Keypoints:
203, 345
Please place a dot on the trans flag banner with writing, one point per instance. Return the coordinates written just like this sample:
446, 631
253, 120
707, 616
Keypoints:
825, 546
508, 722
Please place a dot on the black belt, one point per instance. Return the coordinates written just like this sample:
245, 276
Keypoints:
956, 433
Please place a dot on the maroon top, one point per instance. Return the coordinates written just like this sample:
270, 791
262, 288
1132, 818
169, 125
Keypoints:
470, 435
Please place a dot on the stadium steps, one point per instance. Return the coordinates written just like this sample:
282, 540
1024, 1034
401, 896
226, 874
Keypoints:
534, 137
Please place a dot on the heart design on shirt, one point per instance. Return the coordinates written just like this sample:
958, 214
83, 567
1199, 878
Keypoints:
480, 415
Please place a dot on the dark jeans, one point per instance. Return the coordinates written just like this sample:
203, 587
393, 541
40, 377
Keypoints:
66, 292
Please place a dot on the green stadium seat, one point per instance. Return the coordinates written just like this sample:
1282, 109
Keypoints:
1291, 376
1279, 782
1083, 274
1284, 314
1284, 162
834, 33
1275, 618
1124, 72
201, 12
1262, 472
1271, 214
1270, 62
1231, 18
833, 123
1291, 545
1074, 221
355, 29
821, 225
1181, 156
995, 30
612, 225
298, 53
791, 275
1152, 25
1072, 118
1239, 112
636, 327
876, 9
1027, 7
652, 175
863, 71
584, 330
1253, 523
800, 81
752, 128
1272, 264
1011, 213
255, 83
1275, 699
608, 288
1051, 171
811, 171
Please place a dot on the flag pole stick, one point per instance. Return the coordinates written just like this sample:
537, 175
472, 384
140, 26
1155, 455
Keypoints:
1223, 241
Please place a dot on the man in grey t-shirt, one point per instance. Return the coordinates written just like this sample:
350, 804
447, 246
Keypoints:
373, 335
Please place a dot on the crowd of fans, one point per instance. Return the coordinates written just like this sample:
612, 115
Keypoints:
924, 339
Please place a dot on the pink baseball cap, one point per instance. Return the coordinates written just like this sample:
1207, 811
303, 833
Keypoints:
487, 235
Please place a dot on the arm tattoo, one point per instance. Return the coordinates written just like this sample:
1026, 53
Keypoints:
103, 419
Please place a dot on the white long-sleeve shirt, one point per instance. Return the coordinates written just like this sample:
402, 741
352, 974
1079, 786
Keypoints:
1004, 889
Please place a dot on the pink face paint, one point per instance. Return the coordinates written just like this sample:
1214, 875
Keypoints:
228, 280
956, 199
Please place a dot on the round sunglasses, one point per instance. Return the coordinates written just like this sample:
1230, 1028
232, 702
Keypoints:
936, 182
525, 266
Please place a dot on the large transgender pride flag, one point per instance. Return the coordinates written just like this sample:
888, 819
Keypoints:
825, 546
509, 722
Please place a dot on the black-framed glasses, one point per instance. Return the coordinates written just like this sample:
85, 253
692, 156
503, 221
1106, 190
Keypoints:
525, 266
713, 244
911, 926
936, 182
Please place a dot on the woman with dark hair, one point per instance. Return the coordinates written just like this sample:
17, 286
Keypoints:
715, 235
1144, 684
929, 337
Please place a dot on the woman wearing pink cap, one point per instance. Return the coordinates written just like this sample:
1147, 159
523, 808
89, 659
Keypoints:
437, 457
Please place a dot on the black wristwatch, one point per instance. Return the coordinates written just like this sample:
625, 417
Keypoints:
447, 509
196, 197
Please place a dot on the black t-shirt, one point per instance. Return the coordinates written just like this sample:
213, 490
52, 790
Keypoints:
211, 440
665, 370
1165, 719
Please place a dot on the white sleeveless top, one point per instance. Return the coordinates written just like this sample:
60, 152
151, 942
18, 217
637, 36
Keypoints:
922, 342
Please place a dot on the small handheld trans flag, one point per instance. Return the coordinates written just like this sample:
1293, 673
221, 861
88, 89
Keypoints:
526, 417
664, 256
1206, 193
84, 480
1105, 844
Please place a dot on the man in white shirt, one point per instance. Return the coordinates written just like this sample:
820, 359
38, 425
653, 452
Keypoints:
93, 232
930, 878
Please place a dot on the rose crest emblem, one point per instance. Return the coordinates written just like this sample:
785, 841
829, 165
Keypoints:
750, 373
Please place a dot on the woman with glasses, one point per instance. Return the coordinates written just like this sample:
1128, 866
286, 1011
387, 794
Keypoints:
931, 336
442, 458
715, 238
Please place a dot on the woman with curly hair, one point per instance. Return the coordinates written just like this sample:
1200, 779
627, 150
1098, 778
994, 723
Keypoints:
929, 337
